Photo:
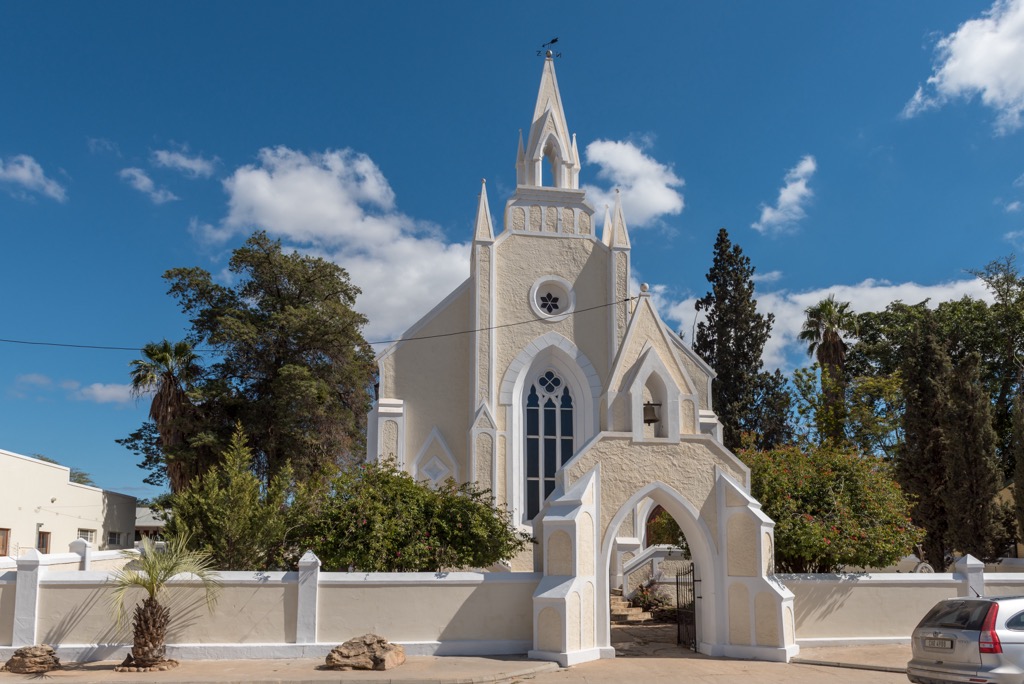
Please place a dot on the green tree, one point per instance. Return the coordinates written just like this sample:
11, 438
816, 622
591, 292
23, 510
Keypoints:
732, 338
378, 519
1018, 456
826, 323
976, 524
921, 462
77, 475
832, 509
232, 516
290, 364
151, 572
169, 372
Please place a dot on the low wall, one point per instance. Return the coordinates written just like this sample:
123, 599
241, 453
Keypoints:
883, 608
272, 614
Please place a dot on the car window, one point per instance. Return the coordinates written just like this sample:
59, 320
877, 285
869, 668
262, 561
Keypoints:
966, 614
1016, 622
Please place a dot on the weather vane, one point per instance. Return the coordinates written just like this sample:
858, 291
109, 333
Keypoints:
549, 53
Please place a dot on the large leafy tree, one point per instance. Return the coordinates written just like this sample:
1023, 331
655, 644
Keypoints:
831, 508
378, 519
731, 339
289, 363
169, 372
824, 328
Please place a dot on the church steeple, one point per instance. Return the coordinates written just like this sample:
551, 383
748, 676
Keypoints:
550, 157
482, 230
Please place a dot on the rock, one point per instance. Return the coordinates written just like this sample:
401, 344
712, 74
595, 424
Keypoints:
33, 660
368, 652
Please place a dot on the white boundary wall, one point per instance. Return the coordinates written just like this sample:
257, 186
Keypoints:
270, 614
863, 608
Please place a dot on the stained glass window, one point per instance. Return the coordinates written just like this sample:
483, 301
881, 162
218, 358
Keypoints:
549, 437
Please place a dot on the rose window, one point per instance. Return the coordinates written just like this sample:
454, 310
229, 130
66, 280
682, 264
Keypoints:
549, 303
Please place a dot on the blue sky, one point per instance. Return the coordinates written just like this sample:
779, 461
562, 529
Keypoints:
873, 149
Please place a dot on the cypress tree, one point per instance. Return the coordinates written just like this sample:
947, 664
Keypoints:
972, 469
732, 338
921, 461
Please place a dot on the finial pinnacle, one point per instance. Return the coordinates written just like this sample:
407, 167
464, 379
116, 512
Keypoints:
644, 287
549, 54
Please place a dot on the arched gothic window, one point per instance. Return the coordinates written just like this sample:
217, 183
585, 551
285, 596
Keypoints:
549, 437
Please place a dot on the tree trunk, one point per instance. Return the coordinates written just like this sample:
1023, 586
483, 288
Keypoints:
150, 633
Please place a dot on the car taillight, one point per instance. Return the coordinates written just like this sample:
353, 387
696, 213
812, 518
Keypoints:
988, 640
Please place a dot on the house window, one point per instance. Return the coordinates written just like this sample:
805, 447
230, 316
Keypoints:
549, 437
113, 538
5, 542
43, 542
87, 535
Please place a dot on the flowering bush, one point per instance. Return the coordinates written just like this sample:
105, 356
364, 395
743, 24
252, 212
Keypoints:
831, 509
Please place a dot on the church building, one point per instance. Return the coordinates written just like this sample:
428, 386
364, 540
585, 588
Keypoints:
581, 410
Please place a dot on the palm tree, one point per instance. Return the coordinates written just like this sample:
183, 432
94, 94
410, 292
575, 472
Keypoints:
826, 324
151, 572
168, 372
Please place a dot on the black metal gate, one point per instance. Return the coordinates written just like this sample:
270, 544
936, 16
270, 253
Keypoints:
687, 595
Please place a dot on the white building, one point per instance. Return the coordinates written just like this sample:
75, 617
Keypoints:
532, 378
40, 508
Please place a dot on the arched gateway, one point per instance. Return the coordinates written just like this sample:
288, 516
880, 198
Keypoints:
578, 407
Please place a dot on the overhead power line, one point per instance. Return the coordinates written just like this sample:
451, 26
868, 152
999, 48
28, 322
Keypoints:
101, 347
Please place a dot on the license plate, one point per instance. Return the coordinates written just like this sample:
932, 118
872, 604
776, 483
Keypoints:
938, 643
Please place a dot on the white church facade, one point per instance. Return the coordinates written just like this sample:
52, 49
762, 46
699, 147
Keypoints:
543, 403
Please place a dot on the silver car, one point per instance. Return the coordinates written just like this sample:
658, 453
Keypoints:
977, 640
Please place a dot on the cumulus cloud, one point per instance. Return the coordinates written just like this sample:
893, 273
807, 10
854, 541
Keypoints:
793, 196
649, 188
982, 57
104, 393
195, 166
22, 174
338, 204
785, 351
140, 180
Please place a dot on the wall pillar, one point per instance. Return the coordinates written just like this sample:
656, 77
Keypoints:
972, 572
309, 587
83, 549
26, 599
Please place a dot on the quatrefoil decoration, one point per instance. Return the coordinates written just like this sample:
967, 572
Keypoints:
549, 303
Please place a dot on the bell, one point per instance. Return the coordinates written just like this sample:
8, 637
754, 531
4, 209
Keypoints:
651, 413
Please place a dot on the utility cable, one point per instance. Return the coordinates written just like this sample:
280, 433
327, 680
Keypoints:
372, 344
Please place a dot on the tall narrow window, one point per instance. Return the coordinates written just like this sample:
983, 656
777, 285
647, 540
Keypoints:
5, 542
43, 542
549, 437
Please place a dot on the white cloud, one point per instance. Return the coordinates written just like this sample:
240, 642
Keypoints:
339, 205
785, 351
195, 166
1016, 238
103, 146
769, 277
649, 188
793, 196
1019, 183
34, 379
138, 179
1012, 207
982, 57
25, 173
104, 393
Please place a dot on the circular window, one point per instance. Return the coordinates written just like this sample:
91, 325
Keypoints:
552, 298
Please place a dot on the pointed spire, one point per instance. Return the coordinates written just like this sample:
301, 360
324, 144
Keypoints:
619, 236
549, 145
606, 231
483, 230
